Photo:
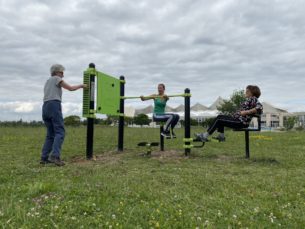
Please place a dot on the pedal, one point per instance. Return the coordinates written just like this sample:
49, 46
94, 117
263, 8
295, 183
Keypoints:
148, 146
142, 143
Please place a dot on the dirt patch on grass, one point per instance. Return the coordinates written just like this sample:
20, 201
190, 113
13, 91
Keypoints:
107, 157
265, 161
173, 155
225, 158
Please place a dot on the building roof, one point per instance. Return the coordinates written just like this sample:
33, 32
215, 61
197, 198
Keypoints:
129, 111
268, 108
199, 107
145, 110
298, 113
216, 104
180, 108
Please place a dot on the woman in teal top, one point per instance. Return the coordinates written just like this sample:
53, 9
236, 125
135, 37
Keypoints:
159, 115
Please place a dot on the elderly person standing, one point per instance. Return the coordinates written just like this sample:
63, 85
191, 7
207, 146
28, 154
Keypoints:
52, 115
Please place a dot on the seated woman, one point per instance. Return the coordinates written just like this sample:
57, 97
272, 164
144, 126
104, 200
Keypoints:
240, 119
159, 115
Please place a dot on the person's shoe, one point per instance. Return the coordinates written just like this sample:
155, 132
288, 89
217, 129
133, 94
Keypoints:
57, 161
166, 134
44, 161
201, 137
220, 138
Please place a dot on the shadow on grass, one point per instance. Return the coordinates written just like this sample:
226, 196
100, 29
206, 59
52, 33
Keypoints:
113, 157
169, 155
272, 161
241, 159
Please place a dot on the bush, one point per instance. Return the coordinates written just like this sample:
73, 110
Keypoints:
299, 128
208, 122
289, 122
72, 120
141, 119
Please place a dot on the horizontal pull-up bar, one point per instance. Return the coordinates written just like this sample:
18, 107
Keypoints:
157, 96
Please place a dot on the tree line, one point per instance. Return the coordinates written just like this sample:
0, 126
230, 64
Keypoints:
227, 107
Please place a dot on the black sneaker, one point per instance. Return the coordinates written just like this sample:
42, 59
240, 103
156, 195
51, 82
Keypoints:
166, 134
220, 138
57, 161
45, 161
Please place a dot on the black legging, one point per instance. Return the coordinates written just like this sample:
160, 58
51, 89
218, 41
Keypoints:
170, 119
223, 121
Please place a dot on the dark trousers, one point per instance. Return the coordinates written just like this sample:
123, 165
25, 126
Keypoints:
170, 119
53, 119
223, 121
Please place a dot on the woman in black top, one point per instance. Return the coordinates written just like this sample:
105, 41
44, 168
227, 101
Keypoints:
240, 119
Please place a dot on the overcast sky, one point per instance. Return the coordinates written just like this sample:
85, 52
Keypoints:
210, 46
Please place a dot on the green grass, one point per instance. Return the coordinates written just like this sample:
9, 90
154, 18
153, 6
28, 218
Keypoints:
216, 187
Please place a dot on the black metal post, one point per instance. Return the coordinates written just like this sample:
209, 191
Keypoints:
121, 118
247, 144
161, 138
187, 120
90, 120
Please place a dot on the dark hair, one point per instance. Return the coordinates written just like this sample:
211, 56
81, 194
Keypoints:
255, 91
162, 84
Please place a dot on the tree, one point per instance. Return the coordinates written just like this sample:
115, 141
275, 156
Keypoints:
128, 120
230, 106
193, 122
141, 119
208, 122
72, 120
289, 122
112, 119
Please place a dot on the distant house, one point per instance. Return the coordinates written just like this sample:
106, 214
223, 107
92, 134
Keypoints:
273, 117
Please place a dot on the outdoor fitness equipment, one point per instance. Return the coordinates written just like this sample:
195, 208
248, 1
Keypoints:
187, 130
110, 101
148, 146
250, 129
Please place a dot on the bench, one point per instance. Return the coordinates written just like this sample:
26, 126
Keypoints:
250, 129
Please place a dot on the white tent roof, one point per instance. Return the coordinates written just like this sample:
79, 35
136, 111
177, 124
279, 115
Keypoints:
129, 111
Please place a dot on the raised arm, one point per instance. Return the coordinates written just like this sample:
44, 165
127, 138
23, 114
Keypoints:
144, 98
72, 87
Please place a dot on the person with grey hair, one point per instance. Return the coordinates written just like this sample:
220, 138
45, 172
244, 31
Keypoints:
52, 115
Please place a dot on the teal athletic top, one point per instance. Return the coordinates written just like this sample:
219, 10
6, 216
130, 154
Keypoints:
160, 105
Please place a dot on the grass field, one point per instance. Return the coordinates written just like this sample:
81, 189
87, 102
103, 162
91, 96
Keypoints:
213, 188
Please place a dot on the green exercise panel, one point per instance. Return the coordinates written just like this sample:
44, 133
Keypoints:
108, 94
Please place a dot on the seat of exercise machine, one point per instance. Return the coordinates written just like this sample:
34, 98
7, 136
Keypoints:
258, 128
191, 140
249, 129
